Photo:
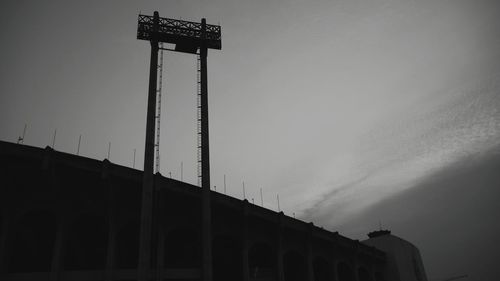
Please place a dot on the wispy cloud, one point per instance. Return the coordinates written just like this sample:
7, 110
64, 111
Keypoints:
437, 131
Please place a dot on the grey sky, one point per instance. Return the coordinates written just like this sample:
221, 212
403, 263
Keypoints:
338, 106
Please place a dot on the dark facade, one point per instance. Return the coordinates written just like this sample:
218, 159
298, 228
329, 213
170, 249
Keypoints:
67, 217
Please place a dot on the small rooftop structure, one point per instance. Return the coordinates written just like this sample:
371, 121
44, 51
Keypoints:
378, 233
404, 262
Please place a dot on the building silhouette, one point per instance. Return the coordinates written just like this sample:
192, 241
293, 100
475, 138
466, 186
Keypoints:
67, 217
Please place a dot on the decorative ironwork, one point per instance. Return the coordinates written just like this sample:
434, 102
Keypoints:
185, 33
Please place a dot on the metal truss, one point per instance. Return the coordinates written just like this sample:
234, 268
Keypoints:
180, 32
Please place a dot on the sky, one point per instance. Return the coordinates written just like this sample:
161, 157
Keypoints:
358, 113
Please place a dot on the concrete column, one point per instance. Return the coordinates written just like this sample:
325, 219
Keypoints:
373, 268
309, 254
279, 249
110, 258
335, 270
336, 255
356, 263
110, 252
155, 228
245, 243
57, 264
3, 244
160, 234
337, 277
58, 252
144, 266
161, 254
355, 266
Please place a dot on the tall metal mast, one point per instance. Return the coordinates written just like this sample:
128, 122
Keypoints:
144, 264
188, 37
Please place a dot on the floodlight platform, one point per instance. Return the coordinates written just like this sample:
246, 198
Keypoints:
187, 36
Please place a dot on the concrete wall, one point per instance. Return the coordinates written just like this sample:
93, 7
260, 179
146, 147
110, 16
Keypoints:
65, 217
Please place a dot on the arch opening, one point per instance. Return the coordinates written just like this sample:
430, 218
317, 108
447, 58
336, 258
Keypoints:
322, 270
86, 244
345, 272
261, 261
127, 246
294, 266
363, 274
226, 259
379, 276
182, 248
32, 242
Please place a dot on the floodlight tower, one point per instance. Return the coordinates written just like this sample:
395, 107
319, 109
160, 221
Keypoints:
193, 38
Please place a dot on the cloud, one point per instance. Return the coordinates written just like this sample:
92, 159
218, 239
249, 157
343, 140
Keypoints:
451, 215
436, 132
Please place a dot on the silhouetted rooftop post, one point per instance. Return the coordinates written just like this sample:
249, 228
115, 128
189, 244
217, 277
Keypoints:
78, 148
54, 139
224, 184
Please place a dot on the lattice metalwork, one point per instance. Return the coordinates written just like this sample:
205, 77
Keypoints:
184, 33
198, 118
158, 110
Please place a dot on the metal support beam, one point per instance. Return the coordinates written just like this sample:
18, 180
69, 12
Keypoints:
205, 163
145, 253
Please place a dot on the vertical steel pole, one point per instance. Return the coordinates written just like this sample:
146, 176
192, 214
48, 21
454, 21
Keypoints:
205, 163
78, 149
54, 140
144, 265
